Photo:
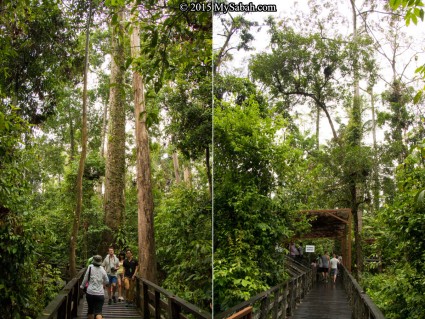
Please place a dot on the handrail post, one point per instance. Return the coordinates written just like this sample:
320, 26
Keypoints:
139, 298
276, 302
157, 303
75, 300
285, 300
265, 302
145, 292
62, 309
291, 297
173, 308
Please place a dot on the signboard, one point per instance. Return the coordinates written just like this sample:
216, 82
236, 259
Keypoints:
309, 248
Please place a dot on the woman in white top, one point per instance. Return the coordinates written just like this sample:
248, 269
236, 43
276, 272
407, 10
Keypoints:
120, 276
96, 288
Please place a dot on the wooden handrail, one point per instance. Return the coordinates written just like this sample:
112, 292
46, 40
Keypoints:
65, 304
245, 313
148, 298
279, 301
363, 307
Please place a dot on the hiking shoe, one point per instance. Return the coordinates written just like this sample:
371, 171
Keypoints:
114, 299
120, 299
109, 301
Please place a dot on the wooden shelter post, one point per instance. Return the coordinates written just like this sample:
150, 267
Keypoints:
348, 238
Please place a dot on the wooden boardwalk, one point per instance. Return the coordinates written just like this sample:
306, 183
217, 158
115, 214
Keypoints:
114, 311
325, 300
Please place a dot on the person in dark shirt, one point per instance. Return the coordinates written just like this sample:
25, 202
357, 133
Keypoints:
131, 266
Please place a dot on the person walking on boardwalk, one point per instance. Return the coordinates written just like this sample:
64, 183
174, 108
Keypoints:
300, 251
97, 278
319, 263
120, 275
131, 266
293, 251
334, 267
111, 264
325, 267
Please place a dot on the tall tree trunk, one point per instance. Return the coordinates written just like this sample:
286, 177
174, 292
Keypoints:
317, 126
79, 183
115, 160
71, 137
176, 167
376, 183
147, 255
187, 175
102, 142
356, 141
104, 131
207, 164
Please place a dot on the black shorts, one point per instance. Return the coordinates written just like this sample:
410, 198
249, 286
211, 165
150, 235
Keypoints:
324, 269
95, 304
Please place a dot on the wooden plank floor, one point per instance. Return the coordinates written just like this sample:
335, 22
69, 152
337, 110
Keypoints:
325, 300
114, 311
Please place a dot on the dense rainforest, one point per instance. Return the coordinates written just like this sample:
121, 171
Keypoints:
139, 125
105, 138
320, 106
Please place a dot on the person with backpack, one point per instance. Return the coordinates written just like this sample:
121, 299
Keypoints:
111, 264
97, 279
325, 266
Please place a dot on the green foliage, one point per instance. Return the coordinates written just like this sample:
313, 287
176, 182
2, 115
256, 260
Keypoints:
297, 63
398, 98
251, 211
17, 245
11, 168
48, 282
310, 68
173, 42
20, 293
184, 245
414, 9
38, 53
189, 106
233, 25
399, 290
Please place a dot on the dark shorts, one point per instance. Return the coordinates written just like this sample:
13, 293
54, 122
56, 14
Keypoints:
95, 304
324, 269
334, 271
112, 279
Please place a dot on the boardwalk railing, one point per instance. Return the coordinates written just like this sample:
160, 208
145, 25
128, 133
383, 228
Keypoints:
153, 300
65, 304
159, 303
279, 301
363, 307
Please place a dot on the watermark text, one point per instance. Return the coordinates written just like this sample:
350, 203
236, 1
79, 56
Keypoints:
227, 7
